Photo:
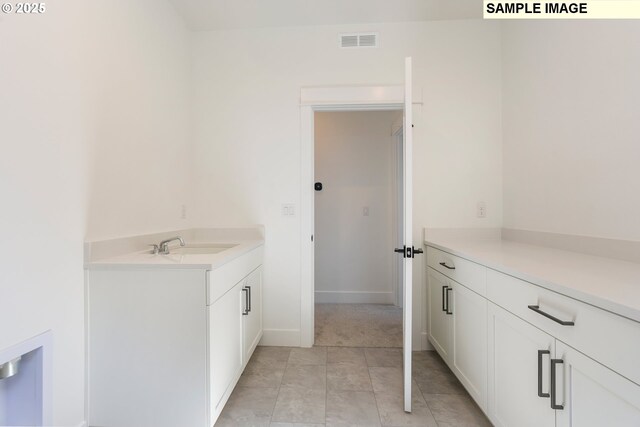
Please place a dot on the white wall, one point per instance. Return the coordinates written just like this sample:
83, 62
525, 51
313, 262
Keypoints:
354, 159
93, 103
140, 82
247, 132
570, 114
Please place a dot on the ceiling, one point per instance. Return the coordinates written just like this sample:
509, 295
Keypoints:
228, 14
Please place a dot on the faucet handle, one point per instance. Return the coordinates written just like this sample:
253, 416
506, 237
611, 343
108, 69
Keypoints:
164, 245
155, 249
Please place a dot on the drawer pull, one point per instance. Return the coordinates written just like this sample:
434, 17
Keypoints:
447, 294
536, 308
444, 291
245, 312
540, 353
444, 264
554, 362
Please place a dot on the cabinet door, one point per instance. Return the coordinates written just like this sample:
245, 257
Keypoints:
514, 372
439, 320
225, 345
593, 395
469, 350
252, 329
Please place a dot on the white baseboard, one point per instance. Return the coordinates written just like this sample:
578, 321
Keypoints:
354, 297
281, 337
426, 345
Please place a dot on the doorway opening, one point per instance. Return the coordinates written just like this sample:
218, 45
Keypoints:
358, 223
357, 98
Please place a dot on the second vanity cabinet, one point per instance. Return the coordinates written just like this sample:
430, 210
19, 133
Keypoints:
469, 338
439, 318
593, 395
538, 381
458, 331
519, 357
167, 344
530, 356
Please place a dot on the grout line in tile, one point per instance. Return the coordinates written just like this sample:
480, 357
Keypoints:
326, 388
375, 399
427, 404
273, 410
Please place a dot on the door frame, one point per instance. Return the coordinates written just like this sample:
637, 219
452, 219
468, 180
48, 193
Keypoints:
312, 99
397, 135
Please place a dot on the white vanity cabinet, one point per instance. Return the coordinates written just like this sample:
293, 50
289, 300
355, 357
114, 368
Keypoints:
235, 328
458, 331
226, 352
439, 319
469, 336
591, 394
167, 345
530, 356
146, 347
519, 355
523, 391
252, 320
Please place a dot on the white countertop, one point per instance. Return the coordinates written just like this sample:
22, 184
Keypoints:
610, 284
144, 259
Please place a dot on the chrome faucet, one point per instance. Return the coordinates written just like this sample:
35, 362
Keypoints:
164, 245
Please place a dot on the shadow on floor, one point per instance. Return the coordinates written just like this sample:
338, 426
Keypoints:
348, 387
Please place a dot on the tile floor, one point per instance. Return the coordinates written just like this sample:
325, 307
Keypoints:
342, 386
358, 325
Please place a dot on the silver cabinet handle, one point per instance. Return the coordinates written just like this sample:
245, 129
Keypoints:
245, 312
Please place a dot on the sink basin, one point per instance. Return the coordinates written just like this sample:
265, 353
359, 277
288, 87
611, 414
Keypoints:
200, 249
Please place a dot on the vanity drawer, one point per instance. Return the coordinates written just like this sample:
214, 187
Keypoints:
607, 338
225, 277
463, 271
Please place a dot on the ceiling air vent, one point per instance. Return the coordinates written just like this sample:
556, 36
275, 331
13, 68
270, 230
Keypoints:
359, 40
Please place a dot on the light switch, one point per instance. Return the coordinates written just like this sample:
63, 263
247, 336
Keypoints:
288, 209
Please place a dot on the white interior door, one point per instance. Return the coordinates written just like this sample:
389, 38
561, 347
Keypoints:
407, 264
399, 215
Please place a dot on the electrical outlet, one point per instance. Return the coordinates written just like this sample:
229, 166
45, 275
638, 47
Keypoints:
482, 210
